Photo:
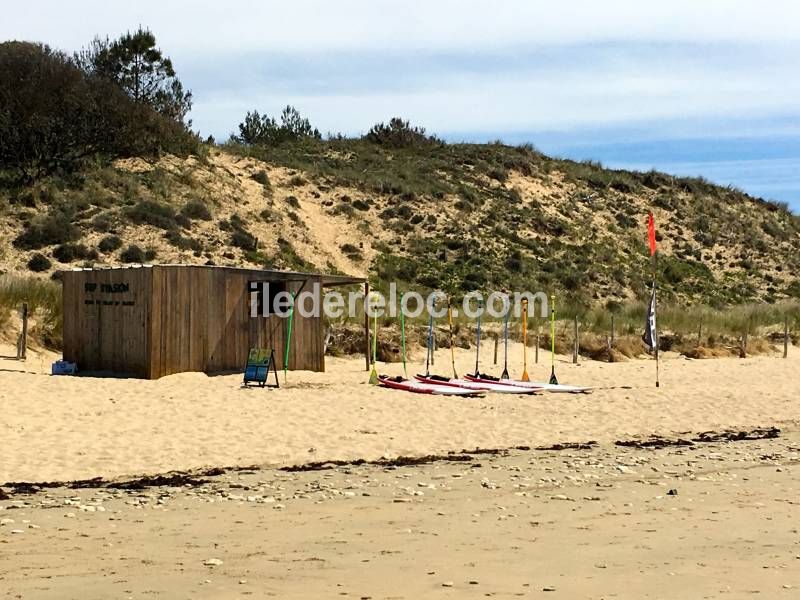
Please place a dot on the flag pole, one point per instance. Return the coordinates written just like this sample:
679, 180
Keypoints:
655, 311
653, 324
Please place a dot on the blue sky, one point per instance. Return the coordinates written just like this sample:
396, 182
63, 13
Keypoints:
703, 87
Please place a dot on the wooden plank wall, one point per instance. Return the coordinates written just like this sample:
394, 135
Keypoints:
201, 322
182, 318
104, 331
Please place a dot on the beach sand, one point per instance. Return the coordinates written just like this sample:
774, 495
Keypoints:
67, 428
704, 520
712, 520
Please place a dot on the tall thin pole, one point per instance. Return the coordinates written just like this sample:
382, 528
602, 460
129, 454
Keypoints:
403, 335
575, 342
785, 336
553, 378
23, 338
288, 339
429, 354
452, 348
373, 374
478, 342
367, 336
525, 376
655, 313
507, 307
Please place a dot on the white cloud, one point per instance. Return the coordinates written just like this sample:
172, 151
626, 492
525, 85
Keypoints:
691, 68
186, 26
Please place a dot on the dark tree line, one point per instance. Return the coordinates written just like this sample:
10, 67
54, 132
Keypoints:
114, 99
257, 129
265, 130
119, 98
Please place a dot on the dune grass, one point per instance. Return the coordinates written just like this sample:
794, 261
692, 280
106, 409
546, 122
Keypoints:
43, 297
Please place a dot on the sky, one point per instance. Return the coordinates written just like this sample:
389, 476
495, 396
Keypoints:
701, 87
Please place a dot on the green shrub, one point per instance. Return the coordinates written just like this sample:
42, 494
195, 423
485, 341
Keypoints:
352, 252
110, 243
195, 209
240, 236
132, 254
399, 134
39, 263
150, 212
102, 223
67, 253
261, 177
53, 228
498, 174
184, 243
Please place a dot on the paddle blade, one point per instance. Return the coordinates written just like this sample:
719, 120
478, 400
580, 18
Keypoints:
525, 376
373, 377
553, 378
505, 374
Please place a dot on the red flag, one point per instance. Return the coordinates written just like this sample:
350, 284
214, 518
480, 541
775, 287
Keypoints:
651, 233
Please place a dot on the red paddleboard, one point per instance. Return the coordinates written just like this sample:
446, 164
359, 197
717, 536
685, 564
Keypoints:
411, 385
541, 387
484, 386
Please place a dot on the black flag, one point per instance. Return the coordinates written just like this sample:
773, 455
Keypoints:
650, 335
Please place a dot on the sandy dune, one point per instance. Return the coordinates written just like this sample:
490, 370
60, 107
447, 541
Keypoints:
65, 428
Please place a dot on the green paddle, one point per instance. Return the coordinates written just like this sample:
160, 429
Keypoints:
288, 339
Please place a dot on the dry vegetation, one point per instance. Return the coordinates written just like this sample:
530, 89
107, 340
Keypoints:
457, 217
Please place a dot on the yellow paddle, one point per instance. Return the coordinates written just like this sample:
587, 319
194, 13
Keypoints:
373, 376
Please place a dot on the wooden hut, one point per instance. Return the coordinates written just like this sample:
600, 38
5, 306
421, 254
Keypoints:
152, 321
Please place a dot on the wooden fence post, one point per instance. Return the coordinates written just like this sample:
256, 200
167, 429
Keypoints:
700, 334
786, 336
577, 343
538, 334
22, 342
496, 342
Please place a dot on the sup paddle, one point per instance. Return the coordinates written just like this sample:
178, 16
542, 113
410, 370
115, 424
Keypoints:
373, 375
288, 339
525, 376
429, 354
507, 306
478, 342
553, 378
452, 348
403, 335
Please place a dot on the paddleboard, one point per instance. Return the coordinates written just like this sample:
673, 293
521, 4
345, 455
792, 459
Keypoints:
485, 386
544, 387
412, 385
